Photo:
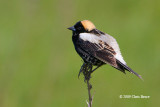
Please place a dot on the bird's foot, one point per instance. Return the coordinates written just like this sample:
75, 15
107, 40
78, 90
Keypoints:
82, 69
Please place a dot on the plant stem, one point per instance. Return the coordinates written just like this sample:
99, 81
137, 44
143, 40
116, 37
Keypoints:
89, 93
87, 70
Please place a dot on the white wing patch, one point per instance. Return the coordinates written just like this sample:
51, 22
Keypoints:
105, 38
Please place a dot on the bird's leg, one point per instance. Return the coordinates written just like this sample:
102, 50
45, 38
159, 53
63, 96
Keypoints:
96, 68
87, 70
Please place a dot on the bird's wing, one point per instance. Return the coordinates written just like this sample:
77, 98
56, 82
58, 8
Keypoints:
112, 42
99, 49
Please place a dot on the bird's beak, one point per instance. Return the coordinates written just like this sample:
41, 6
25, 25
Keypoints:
72, 28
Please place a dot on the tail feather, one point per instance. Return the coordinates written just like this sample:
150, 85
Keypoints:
125, 67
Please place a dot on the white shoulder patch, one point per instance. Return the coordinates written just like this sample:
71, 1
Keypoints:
89, 37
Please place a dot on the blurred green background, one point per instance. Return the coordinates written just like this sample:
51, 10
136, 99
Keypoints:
39, 66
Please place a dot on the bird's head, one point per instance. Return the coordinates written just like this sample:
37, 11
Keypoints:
83, 26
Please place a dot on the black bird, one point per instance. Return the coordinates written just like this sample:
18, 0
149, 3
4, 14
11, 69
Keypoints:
96, 47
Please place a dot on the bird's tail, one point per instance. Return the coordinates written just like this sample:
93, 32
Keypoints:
123, 66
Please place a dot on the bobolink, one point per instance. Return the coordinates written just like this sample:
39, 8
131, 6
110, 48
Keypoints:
96, 47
